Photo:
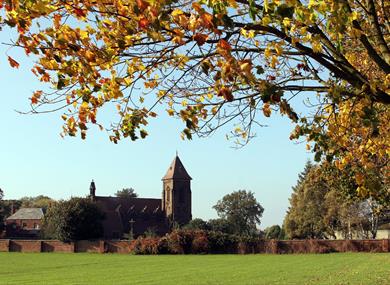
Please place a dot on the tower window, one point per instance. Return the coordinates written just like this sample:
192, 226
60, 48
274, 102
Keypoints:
168, 194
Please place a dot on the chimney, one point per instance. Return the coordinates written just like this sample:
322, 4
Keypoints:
13, 210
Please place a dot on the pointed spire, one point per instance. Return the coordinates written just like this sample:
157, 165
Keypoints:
176, 170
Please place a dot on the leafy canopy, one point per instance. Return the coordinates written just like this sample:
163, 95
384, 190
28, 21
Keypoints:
75, 219
241, 211
323, 204
218, 62
126, 193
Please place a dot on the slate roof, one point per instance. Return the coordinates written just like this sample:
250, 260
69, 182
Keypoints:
177, 171
27, 214
119, 211
148, 205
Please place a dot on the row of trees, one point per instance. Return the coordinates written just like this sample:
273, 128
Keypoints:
321, 206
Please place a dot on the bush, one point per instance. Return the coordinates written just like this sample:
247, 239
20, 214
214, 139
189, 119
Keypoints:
163, 246
146, 245
180, 241
222, 243
186, 242
200, 243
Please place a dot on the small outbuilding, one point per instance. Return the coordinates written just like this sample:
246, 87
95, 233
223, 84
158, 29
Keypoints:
24, 223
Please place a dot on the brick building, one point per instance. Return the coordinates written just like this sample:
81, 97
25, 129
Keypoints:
137, 215
24, 223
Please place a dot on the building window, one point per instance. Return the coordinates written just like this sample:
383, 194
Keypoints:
24, 225
168, 194
36, 226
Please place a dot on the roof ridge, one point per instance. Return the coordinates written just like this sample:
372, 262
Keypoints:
177, 171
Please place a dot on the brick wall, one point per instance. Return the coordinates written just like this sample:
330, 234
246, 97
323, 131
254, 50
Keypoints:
29, 224
87, 246
25, 245
57, 246
314, 246
4, 245
118, 246
262, 246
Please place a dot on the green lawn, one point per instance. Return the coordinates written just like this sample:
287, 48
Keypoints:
83, 268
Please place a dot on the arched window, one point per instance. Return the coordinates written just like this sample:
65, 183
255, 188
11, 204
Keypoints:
168, 194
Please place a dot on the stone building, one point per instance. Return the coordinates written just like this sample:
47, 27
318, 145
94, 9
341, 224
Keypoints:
124, 216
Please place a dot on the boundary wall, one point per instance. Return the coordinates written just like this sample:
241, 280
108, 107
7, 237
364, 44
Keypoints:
261, 246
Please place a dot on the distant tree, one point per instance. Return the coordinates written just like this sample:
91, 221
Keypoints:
221, 225
1, 211
8, 206
126, 193
75, 219
241, 210
323, 204
197, 224
40, 201
304, 217
274, 232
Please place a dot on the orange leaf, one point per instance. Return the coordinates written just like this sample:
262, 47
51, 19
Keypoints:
224, 45
143, 23
200, 39
142, 5
13, 62
226, 93
207, 20
79, 12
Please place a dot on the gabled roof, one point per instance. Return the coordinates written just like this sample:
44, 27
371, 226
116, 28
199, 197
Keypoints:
126, 205
27, 214
177, 171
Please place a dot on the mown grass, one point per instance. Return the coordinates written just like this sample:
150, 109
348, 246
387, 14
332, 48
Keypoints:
83, 268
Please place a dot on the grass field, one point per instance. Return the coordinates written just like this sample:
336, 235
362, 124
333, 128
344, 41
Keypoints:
82, 268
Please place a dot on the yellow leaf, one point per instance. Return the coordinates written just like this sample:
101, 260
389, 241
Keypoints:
266, 6
171, 112
177, 12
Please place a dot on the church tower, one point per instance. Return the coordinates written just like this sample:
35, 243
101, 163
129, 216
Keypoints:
176, 196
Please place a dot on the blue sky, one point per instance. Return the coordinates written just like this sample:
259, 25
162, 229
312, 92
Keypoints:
35, 160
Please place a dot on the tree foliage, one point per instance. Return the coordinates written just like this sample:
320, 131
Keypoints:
218, 62
126, 193
75, 219
40, 201
241, 210
215, 225
304, 216
197, 224
1, 210
274, 232
323, 205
